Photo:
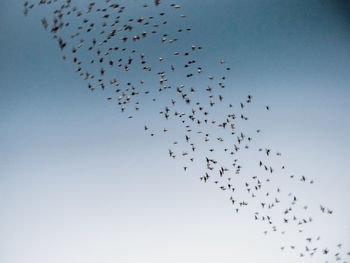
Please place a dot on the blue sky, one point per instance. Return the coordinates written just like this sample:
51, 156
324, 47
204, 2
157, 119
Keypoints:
82, 183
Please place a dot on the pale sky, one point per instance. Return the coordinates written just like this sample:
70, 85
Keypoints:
80, 182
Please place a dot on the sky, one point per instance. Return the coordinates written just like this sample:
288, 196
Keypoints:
80, 182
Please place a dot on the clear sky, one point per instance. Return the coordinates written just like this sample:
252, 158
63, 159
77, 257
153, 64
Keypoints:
80, 182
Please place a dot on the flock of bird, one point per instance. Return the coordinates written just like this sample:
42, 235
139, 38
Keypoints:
108, 47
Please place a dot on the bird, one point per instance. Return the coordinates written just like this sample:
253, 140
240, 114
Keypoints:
105, 31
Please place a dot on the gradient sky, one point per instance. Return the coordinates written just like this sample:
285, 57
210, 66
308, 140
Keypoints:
79, 182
